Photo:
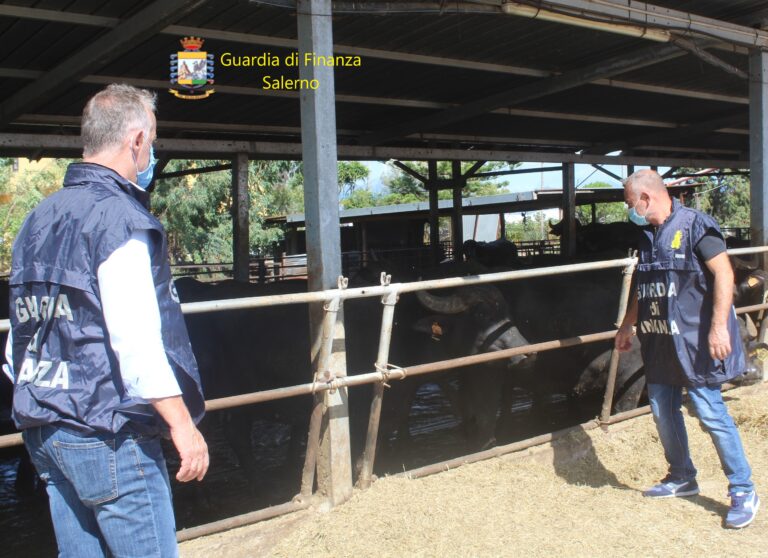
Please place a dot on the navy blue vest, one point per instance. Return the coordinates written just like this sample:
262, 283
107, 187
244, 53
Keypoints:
65, 369
675, 296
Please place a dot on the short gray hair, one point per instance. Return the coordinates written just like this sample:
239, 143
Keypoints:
111, 113
647, 179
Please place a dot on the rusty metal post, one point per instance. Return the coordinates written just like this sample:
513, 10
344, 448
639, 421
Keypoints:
613, 368
385, 337
457, 214
322, 374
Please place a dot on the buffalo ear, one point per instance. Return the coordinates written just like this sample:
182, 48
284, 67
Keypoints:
434, 325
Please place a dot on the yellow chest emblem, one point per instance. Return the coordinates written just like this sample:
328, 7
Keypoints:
677, 240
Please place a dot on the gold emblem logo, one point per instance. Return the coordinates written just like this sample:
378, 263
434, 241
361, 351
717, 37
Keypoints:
192, 70
678, 238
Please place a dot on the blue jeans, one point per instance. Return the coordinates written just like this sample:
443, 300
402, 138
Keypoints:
712, 413
109, 494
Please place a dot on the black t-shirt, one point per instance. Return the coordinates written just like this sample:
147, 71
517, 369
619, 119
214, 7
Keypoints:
710, 245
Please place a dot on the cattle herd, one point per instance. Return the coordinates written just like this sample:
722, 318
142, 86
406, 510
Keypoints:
251, 350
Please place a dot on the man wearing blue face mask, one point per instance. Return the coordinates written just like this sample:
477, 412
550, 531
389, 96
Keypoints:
689, 336
99, 353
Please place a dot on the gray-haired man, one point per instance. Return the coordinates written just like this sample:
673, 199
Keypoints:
101, 360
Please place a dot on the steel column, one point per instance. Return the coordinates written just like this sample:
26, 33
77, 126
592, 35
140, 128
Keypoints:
568, 238
240, 206
758, 145
321, 201
457, 215
434, 220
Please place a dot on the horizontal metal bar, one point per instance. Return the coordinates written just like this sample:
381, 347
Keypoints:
753, 308
497, 451
362, 292
240, 520
400, 373
10, 440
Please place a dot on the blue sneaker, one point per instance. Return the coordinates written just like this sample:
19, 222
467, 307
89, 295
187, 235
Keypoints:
744, 506
668, 488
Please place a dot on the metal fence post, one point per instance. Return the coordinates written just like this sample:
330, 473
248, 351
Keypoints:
610, 385
323, 374
385, 337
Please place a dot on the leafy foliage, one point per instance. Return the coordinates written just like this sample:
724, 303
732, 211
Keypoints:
534, 227
604, 212
20, 191
726, 198
401, 187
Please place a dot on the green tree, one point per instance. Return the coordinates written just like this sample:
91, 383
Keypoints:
530, 227
404, 188
195, 211
604, 212
20, 191
726, 198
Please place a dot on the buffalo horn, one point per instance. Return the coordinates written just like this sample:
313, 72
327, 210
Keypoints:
452, 304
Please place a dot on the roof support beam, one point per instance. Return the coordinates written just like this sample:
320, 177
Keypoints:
408, 170
682, 132
473, 169
221, 149
696, 50
163, 125
96, 54
515, 171
264, 40
609, 173
568, 80
195, 171
642, 13
526, 113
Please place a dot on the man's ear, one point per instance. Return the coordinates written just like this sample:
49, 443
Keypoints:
138, 140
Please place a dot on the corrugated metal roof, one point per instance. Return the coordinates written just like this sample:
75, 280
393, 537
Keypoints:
385, 91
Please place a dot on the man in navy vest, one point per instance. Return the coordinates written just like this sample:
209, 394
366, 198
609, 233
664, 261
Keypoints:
101, 360
689, 335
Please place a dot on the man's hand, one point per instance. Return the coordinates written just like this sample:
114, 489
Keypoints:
623, 341
193, 452
185, 436
719, 342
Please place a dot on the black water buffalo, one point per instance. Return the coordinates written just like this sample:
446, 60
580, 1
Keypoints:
497, 253
242, 351
602, 237
475, 320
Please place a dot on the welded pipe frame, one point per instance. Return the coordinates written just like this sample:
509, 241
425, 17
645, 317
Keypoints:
613, 367
378, 376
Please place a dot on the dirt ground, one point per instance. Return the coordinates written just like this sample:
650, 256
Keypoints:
543, 504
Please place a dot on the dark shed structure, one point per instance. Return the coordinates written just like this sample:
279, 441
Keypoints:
678, 83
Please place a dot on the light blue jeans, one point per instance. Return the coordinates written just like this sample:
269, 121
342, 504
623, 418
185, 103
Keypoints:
712, 413
109, 494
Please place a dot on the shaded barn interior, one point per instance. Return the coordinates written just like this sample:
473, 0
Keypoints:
677, 83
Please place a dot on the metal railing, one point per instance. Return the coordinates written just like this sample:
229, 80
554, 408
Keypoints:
382, 370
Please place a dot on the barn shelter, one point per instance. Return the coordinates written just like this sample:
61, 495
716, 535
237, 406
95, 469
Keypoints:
559, 81
675, 83
401, 233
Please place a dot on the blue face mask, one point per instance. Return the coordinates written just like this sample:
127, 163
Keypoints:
636, 218
144, 178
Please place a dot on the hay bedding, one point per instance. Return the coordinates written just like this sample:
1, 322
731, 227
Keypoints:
510, 506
